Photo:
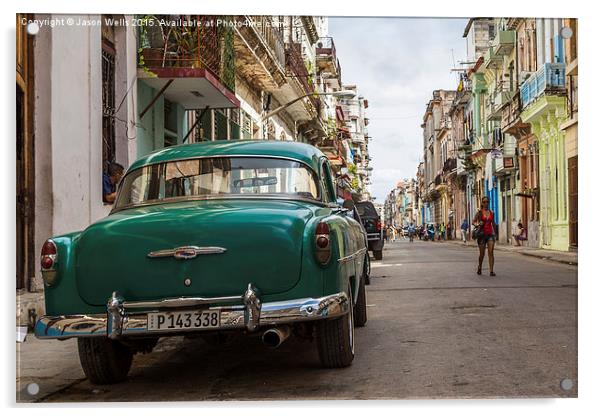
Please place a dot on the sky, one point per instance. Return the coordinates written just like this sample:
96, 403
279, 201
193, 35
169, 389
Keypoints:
396, 64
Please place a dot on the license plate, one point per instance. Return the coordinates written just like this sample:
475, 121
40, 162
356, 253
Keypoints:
182, 320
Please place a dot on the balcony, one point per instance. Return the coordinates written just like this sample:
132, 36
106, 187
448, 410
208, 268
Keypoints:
549, 79
492, 60
497, 102
296, 69
259, 46
460, 170
357, 138
505, 164
193, 65
326, 58
450, 164
334, 150
511, 122
504, 42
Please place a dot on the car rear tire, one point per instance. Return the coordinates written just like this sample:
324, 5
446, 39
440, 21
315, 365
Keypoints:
360, 315
378, 255
103, 360
335, 338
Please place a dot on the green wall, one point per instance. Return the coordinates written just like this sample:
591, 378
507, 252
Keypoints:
151, 129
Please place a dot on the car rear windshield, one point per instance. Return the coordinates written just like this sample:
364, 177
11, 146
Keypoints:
215, 177
366, 209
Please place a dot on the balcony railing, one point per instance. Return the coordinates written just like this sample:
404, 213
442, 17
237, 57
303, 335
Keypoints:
326, 56
296, 67
199, 44
272, 36
549, 79
500, 97
492, 60
511, 112
358, 138
504, 42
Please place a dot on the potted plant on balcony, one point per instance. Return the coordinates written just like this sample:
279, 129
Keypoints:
150, 51
187, 49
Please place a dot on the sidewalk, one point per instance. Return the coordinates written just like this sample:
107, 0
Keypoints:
30, 306
566, 257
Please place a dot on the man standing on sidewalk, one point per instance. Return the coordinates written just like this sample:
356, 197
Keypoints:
464, 228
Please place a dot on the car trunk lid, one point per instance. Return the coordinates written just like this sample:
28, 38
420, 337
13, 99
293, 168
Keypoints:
262, 241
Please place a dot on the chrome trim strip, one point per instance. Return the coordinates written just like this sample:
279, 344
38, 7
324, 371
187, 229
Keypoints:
231, 317
352, 256
220, 197
179, 302
194, 250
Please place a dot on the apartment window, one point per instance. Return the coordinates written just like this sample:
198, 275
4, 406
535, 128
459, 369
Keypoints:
108, 102
234, 124
491, 32
247, 131
220, 124
170, 124
203, 128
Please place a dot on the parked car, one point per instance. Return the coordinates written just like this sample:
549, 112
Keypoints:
209, 238
373, 226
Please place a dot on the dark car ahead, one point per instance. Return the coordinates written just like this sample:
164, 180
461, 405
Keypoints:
373, 227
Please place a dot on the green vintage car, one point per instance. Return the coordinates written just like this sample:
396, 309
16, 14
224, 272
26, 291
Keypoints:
210, 237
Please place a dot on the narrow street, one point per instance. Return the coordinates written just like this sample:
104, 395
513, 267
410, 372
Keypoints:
435, 330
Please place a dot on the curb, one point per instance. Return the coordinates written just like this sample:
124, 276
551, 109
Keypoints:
524, 253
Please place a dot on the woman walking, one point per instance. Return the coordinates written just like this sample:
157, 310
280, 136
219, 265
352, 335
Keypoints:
485, 234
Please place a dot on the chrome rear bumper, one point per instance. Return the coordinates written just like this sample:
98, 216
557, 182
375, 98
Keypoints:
125, 318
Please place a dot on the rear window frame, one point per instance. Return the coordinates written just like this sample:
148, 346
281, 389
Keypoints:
318, 200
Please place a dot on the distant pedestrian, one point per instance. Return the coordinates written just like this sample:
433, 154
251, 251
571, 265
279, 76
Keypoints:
430, 232
441, 231
464, 228
411, 232
448, 231
484, 220
521, 234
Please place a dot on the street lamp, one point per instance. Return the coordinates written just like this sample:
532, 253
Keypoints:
339, 94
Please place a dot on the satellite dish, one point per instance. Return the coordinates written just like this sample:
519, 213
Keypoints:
566, 32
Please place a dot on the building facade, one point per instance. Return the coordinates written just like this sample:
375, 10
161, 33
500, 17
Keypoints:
512, 133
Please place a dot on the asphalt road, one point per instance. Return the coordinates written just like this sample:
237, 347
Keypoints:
435, 330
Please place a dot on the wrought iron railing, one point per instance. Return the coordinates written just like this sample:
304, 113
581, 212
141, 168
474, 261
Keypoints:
271, 33
550, 78
296, 66
188, 41
511, 112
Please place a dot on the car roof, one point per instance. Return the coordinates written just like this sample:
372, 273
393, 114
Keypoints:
302, 152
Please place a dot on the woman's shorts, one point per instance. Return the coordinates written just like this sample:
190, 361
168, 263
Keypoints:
483, 240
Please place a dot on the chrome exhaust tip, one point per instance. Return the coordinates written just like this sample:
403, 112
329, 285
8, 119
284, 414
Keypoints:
275, 336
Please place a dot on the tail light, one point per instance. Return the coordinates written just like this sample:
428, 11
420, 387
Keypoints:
48, 259
379, 225
322, 241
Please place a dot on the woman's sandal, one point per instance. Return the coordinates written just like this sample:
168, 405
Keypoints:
491, 273
479, 271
